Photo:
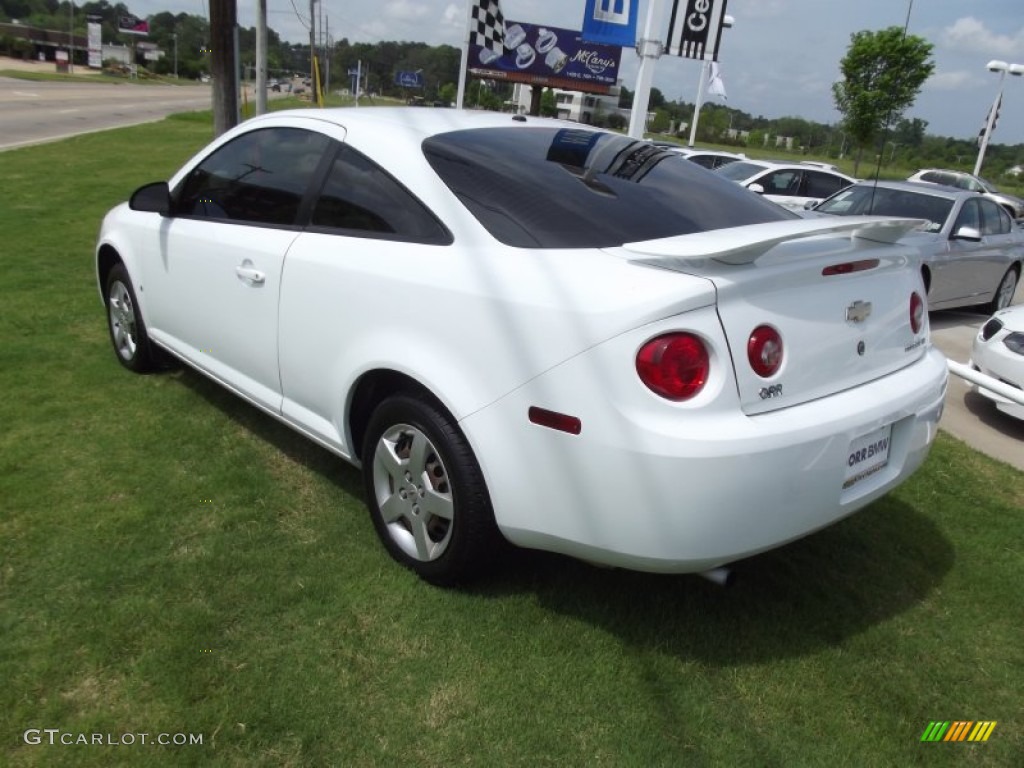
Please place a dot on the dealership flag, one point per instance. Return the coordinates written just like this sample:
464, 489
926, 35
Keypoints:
695, 29
984, 126
716, 86
487, 26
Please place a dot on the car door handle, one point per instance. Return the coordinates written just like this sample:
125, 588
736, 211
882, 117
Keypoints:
251, 275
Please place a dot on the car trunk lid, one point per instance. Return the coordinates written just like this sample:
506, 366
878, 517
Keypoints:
839, 295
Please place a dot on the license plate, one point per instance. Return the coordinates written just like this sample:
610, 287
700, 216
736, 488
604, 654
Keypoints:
867, 455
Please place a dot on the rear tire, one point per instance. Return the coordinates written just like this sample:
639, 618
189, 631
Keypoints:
1004, 293
124, 321
425, 491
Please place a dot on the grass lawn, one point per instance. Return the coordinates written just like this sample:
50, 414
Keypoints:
174, 562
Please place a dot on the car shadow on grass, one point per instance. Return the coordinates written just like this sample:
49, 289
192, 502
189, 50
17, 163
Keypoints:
813, 593
286, 440
810, 594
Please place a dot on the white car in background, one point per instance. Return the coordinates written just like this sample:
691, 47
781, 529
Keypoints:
998, 351
534, 330
791, 185
710, 158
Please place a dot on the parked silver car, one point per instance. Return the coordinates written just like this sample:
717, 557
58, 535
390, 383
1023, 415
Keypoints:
963, 180
972, 251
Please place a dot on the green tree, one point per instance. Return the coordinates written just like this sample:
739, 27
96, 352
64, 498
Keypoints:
548, 104
882, 75
448, 93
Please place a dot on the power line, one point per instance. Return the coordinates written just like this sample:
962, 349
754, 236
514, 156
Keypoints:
298, 15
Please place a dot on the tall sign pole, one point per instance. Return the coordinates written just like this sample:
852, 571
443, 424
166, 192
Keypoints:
649, 48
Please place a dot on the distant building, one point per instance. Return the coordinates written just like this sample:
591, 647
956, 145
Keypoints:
573, 105
42, 44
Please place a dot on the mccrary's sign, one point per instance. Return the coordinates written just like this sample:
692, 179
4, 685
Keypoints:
548, 56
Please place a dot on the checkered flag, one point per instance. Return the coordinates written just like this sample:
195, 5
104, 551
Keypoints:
487, 26
984, 126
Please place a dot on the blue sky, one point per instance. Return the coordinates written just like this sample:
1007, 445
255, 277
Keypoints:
780, 58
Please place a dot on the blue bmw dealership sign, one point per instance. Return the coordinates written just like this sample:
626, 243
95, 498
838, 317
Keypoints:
612, 22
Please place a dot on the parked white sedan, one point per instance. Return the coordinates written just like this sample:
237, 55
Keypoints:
998, 352
791, 185
529, 329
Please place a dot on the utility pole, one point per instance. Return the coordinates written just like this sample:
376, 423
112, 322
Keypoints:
312, 42
71, 38
261, 57
223, 20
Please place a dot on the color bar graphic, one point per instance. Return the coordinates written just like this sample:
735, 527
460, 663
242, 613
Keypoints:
958, 730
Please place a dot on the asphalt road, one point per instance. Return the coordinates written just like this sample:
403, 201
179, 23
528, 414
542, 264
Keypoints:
37, 112
968, 415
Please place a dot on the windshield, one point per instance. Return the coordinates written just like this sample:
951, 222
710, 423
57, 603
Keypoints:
544, 187
740, 170
869, 200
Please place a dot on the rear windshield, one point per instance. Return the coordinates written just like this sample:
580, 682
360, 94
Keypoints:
543, 187
869, 200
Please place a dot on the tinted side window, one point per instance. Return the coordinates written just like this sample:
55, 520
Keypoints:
259, 177
969, 216
995, 220
360, 196
781, 183
945, 178
821, 184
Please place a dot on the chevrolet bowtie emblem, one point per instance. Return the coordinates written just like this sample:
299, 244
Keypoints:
858, 312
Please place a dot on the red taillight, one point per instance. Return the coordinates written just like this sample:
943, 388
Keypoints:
675, 366
849, 267
916, 312
764, 351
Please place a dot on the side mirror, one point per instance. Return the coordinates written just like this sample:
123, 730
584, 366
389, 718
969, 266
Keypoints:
152, 198
967, 233
755, 187
810, 204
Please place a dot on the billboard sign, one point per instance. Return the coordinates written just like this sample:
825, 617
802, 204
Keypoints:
695, 29
132, 25
409, 79
95, 37
611, 21
548, 56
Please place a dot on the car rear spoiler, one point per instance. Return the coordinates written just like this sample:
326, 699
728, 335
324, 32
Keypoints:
745, 245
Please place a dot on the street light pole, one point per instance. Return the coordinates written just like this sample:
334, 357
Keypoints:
1002, 67
175, 36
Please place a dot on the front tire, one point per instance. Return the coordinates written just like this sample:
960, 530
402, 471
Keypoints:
1004, 293
124, 321
427, 497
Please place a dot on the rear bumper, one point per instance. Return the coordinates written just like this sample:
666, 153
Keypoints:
659, 487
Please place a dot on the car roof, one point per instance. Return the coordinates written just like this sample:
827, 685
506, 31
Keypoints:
414, 121
920, 187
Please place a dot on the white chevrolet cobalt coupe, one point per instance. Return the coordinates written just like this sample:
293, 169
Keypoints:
534, 330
